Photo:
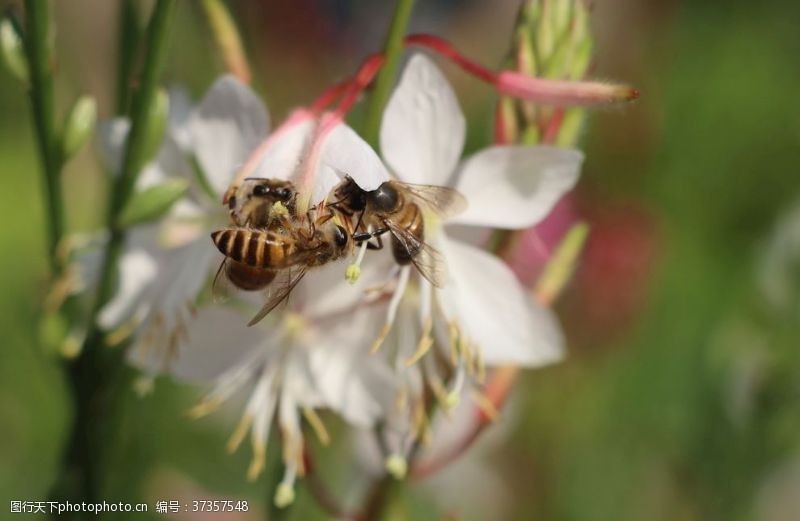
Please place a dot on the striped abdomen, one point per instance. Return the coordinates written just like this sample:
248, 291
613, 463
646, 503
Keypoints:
257, 248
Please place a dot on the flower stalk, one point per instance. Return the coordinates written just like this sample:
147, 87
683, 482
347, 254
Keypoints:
227, 39
392, 51
97, 375
39, 48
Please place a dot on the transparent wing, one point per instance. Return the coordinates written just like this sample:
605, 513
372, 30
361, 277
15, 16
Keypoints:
280, 290
441, 200
221, 288
428, 261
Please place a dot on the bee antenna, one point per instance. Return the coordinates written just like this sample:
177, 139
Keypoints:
256, 178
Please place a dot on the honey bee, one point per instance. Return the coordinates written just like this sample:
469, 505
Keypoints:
398, 208
253, 202
255, 257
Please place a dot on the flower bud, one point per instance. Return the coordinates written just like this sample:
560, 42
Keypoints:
79, 125
561, 266
156, 124
13, 51
153, 202
562, 92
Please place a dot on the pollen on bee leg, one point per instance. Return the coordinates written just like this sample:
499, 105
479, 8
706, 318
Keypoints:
317, 425
278, 210
239, 433
394, 304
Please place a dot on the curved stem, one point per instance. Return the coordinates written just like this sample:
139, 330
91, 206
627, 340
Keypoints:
383, 85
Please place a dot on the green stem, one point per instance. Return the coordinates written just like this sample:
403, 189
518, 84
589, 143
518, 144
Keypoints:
39, 41
392, 51
127, 44
98, 375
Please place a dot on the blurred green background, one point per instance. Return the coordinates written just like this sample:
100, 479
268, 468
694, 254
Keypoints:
680, 397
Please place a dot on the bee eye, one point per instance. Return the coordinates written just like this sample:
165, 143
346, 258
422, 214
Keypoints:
232, 202
340, 236
260, 190
284, 194
384, 198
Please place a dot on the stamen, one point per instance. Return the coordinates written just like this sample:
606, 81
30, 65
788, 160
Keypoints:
396, 466
315, 421
239, 433
425, 343
394, 304
353, 271
284, 495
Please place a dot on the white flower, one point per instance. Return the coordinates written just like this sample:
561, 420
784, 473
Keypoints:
482, 314
312, 356
217, 145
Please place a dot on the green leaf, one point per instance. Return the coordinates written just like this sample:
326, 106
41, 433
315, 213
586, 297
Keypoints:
78, 126
153, 202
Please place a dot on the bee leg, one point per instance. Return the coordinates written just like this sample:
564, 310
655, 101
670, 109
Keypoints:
377, 245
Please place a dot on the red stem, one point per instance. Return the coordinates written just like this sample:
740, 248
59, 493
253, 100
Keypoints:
360, 81
329, 95
444, 48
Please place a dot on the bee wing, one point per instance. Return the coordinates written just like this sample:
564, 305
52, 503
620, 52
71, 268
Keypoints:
442, 200
428, 261
279, 294
221, 288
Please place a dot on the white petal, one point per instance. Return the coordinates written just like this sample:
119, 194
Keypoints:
227, 126
345, 153
495, 311
286, 146
353, 383
217, 340
137, 270
515, 186
422, 132
180, 111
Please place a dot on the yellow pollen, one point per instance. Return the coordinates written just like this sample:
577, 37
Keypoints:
239, 433
451, 401
205, 407
352, 273
396, 466
143, 385
294, 324
284, 496
124, 331
259, 459
72, 346
316, 423
278, 210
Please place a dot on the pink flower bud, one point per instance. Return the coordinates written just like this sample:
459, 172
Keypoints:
561, 92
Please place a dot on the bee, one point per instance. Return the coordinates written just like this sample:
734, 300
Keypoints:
255, 257
254, 202
399, 208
